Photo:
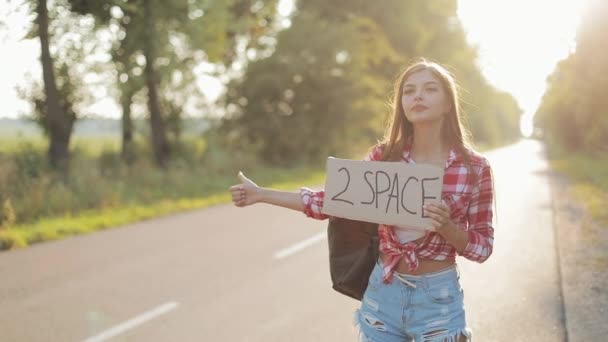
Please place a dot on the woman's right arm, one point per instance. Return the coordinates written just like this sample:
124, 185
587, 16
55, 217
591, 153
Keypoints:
306, 200
248, 193
285, 199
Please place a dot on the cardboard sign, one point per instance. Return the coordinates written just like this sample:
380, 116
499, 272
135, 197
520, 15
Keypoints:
390, 193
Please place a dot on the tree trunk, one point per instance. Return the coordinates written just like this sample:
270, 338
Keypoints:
160, 143
128, 153
59, 122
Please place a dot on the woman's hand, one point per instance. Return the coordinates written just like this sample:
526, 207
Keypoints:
246, 193
439, 214
444, 226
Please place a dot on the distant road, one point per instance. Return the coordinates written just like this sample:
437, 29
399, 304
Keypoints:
261, 274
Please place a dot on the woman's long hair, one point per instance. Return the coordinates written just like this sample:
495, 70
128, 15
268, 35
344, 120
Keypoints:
400, 131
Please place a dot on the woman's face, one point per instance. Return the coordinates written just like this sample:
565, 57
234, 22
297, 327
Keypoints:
423, 98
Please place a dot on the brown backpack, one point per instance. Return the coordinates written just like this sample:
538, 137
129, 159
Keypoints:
353, 251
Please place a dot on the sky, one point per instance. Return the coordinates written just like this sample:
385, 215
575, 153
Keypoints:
519, 43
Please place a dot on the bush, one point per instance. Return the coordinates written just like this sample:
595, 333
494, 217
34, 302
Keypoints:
109, 163
30, 161
7, 214
10, 240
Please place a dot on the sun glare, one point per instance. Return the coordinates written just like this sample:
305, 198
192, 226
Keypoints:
519, 43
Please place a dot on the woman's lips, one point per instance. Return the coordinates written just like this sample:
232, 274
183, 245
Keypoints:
419, 108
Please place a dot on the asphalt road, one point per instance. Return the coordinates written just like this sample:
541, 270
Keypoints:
261, 274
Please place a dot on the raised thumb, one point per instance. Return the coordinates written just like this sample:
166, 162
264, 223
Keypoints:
242, 177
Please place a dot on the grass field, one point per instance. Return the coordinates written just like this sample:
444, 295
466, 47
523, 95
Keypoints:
589, 175
101, 192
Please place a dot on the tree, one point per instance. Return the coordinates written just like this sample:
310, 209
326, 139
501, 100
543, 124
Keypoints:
572, 111
324, 88
59, 119
56, 100
157, 124
176, 36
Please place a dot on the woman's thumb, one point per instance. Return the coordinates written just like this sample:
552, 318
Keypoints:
242, 177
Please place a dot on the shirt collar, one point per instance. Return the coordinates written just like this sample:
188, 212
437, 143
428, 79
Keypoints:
452, 156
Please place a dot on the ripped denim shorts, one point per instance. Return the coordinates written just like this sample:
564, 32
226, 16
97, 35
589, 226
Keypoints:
425, 308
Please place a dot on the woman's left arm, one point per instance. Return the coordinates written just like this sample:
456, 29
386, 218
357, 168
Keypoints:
477, 243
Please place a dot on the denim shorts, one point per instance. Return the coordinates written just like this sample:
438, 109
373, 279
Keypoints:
426, 308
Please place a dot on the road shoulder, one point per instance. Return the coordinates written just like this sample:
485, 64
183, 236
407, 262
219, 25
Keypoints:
581, 246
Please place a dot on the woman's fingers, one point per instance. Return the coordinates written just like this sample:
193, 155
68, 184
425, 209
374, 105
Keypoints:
440, 209
437, 220
241, 192
236, 189
432, 208
239, 201
438, 213
238, 194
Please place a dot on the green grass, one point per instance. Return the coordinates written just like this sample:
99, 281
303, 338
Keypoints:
12, 144
589, 175
53, 228
100, 192
91, 146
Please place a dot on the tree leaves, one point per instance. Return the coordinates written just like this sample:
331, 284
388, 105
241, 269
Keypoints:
337, 62
573, 109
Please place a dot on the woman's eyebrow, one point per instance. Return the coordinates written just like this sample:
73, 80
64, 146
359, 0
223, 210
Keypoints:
425, 83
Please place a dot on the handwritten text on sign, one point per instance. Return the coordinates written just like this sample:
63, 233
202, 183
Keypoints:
383, 192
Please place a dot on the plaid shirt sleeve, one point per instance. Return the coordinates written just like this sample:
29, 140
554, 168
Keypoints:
313, 203
479, 215
313, 200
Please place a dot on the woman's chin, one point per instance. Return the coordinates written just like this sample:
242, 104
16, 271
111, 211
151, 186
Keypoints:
423, 119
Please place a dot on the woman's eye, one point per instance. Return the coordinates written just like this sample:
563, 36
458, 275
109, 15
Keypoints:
409, 91
431, 89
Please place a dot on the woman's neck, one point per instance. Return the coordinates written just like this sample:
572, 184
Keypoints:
428, 145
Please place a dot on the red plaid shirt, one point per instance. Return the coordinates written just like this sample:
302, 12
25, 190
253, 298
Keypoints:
470, 209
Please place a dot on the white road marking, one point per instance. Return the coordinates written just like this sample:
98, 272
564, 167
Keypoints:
132, 323
299, 246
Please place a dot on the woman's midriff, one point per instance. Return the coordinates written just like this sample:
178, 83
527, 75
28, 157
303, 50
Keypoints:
424, 265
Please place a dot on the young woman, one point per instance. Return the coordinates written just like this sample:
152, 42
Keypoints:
414, 291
